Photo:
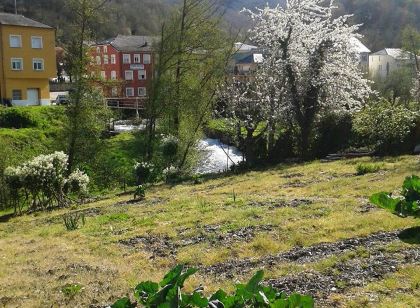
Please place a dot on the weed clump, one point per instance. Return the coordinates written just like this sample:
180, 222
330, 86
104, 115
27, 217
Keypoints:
365, 168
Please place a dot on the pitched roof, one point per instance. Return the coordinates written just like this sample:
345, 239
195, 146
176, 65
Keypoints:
242, 47
20, 20
358, 46
252, 58
396, 53
130, 42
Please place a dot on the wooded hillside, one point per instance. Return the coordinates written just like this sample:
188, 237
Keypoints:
382, 20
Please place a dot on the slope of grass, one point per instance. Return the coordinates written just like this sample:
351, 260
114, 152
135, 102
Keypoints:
251, 218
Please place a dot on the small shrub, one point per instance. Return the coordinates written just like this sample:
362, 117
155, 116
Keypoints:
408, 204
145, 173
363, 168
16, 118
169, 293
197, 179
385, 126
172, 175
72, 221
140, 192
170, 147
70, 290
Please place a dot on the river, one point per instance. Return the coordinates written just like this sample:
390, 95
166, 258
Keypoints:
216, 156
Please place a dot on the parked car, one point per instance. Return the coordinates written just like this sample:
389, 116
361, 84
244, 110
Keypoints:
62, 100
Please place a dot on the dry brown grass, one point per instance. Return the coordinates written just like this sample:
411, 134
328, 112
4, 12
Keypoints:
39, 257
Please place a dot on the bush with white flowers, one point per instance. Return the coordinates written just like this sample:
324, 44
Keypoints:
42, 182
145, 172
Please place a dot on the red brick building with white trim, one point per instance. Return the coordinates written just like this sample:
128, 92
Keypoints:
127, 60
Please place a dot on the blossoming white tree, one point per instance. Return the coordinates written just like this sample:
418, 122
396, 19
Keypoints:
311, 54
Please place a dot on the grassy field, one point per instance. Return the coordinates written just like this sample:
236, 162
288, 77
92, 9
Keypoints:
309, 226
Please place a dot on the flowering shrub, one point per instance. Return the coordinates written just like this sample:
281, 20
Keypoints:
42, 183
77, 182
145, 172
171, 174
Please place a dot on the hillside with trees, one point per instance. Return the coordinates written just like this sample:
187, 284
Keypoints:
383, 20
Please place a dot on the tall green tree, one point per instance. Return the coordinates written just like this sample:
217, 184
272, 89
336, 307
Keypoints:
193, 53
86, 111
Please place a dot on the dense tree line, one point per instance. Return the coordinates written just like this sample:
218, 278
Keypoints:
383, 20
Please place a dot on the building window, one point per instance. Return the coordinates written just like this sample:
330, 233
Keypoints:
142, 91
128, 75
142, 75
103, 75
105, 49
17, 64
106, 61
113, 59
146, 59
113, 75
38, 64
98, 49
15, 41
98, 60
126, 59
129, 91
114, 91
36, 42
17, 95
137, 58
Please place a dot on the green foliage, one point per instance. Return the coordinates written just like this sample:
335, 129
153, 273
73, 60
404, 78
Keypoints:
16, 118
170, 147
113, 166
385, 126
140, 192
168, 293
397, 86
407, 204
31, 117
365, 168
71, 290
72, 221
146, 173
334, 133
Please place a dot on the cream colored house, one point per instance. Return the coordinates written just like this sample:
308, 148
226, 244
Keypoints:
385, 61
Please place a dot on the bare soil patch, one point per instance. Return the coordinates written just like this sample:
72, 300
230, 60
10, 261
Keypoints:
164, 246
302, 255
352, 272
278, 203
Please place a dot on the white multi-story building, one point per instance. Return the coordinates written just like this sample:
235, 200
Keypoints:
385, 61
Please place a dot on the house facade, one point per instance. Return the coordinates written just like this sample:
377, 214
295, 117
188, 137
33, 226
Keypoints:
27, 60
245, 61
126, 63
362, 53
386, 61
